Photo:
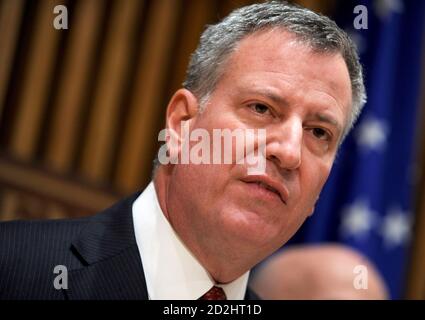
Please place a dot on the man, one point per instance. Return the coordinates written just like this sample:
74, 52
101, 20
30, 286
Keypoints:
319, 272
197, 229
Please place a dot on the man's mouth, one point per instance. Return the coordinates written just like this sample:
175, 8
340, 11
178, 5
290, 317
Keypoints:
268, 184
262, 184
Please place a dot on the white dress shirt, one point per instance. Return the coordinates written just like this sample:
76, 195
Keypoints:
171, 270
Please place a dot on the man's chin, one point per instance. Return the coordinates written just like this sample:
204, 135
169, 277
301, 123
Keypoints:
253, 228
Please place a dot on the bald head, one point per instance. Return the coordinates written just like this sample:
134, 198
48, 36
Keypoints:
312, 272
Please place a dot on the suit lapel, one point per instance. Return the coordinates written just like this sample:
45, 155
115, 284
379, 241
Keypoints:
111, 266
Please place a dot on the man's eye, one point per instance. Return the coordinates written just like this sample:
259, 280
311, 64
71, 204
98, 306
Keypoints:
320, 134
259, 108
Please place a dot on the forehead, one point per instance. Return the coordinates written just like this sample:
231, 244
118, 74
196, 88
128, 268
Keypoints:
278, 50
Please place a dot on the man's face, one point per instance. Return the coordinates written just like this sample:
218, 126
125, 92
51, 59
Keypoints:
302, 99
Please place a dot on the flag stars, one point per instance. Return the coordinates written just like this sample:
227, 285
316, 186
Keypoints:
384, 8
395, 228
372, 134
357, 220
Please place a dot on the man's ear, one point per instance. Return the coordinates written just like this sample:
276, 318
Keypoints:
181, 111
313, 207
311, 212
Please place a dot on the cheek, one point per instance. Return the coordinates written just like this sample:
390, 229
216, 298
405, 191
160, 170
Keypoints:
318, 168
204, 183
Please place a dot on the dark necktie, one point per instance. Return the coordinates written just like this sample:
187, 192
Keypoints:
215, 293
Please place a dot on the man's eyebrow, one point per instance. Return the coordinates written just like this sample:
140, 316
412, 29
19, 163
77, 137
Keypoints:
328, 119
268, 94
282, 101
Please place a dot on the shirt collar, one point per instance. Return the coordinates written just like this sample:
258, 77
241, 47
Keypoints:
171, 270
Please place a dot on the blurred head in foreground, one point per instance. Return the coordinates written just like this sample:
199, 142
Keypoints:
315, 272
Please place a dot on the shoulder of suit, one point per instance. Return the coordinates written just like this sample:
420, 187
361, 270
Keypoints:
27, 229
26, 241
42, 230
23, 237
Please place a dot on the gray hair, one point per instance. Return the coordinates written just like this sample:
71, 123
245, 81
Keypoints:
218, 41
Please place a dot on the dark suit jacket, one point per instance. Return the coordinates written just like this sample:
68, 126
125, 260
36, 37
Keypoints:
99, 252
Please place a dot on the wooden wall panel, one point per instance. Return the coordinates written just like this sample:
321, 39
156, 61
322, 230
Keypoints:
97, 152
10, 18
9, 202
38, 182
73, 84
195, 16
139, 135
35, 84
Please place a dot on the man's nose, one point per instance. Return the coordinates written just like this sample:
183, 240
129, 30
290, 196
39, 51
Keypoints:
284, 144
